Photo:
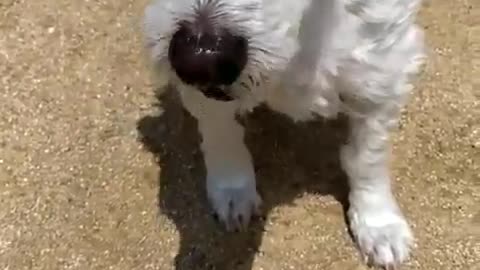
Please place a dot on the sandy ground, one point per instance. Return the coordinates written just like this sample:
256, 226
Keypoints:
93, 176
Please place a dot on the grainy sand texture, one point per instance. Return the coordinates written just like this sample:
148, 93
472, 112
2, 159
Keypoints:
95, 174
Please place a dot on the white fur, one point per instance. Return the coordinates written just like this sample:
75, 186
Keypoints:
306, 58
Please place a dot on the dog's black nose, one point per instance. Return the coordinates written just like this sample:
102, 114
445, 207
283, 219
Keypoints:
206, 55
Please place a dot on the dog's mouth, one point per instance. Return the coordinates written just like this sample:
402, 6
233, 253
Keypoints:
217, 93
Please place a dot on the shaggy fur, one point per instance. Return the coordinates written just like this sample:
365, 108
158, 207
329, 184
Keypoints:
307, 58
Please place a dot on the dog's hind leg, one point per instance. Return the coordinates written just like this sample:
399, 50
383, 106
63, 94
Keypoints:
231, 183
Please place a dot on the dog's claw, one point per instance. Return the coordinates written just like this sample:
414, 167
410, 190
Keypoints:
382, 246
235, 207
366, 259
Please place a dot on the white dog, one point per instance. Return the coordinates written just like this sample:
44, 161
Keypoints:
302, 58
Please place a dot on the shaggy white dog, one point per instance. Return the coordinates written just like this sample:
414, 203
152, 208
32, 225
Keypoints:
302, 58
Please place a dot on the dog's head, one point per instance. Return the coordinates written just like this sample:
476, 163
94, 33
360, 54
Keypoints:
221, 47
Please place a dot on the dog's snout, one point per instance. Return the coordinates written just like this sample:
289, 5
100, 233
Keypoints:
207, 56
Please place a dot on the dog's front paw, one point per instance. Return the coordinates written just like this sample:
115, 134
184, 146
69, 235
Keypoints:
234, 202
382, 235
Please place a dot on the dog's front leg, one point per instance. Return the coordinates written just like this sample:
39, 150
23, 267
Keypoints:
379, 228
231, 183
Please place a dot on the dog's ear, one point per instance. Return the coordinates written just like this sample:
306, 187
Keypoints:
158, 25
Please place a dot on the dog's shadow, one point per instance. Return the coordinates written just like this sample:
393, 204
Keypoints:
290, 159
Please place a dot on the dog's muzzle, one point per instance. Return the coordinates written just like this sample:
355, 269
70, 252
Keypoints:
208, 57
